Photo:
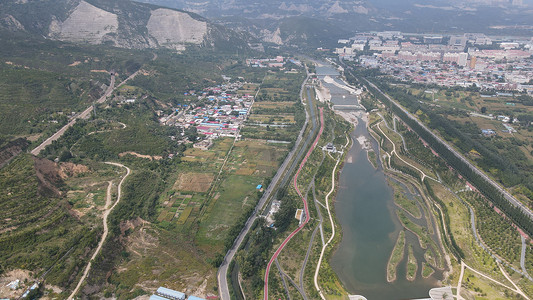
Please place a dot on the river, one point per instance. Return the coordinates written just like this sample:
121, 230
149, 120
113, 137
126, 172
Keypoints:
365, 209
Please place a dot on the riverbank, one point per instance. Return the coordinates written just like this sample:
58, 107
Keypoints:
366, 211
323, 94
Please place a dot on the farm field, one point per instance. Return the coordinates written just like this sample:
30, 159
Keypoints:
277, 103
250, 164
180, 202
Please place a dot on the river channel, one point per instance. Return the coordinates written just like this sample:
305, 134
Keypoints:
366, 211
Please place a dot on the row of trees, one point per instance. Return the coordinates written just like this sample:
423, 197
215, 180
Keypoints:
485, 187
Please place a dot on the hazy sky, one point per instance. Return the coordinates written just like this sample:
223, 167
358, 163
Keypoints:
401, 2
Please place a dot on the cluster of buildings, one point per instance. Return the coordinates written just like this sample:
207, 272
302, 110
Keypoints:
464, 60
168, 294
278, 62
215, 112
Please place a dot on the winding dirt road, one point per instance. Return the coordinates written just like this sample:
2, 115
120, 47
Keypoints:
106, 230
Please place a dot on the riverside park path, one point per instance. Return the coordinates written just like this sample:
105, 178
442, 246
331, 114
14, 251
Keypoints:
306, 209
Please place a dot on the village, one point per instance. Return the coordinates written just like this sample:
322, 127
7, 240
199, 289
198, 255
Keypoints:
215, 112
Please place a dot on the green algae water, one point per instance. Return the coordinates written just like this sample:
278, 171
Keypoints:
365, 209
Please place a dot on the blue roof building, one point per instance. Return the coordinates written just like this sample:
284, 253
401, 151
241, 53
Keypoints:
194, 298
170, 294
156, 297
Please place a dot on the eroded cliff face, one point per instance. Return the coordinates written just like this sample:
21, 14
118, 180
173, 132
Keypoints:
173, 29
87, 24
121, 23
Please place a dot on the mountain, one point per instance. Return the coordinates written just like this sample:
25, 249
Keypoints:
120, 23
267, 8
497, 17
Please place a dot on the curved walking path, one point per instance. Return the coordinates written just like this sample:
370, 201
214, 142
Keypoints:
332, 224
313, 235
306, 209
310, 246
523, 258
106, 230
282, 275
510, 198
399, 157
516, 289
473, 225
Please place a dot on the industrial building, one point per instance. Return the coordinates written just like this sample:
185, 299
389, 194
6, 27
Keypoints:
164, 293
170, 294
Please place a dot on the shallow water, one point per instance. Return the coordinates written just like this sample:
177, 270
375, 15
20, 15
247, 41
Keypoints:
366, 212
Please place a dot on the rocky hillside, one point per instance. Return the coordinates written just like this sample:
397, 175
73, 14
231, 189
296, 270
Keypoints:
120, 23
268, 8
438, 16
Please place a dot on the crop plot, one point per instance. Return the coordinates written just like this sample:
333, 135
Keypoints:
194, 182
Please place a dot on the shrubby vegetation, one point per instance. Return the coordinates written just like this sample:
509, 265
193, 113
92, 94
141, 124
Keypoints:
487, 189
38, 229
43, 81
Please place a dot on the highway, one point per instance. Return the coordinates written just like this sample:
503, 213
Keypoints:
505, 193
223, 269
83, 115
306, 208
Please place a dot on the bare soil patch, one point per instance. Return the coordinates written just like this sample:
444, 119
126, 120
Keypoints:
150, 157
13, 275
70, 169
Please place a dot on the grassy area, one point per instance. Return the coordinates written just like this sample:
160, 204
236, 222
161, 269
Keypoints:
272, 119
427, 270
397, 255
277, 103
409, 205
372, 158
419, 231
476, 287
412, 265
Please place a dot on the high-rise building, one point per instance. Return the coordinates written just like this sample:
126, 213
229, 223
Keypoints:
473, 61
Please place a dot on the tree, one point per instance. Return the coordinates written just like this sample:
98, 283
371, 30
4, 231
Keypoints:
483, 110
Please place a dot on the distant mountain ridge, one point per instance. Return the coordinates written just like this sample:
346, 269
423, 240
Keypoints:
418, 16
120, 23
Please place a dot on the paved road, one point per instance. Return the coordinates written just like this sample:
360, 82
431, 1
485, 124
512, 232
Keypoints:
307, 142
523, 258
83, 115
306, 208
282, 275
106, 230
505, 193
310, 247
223, 269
